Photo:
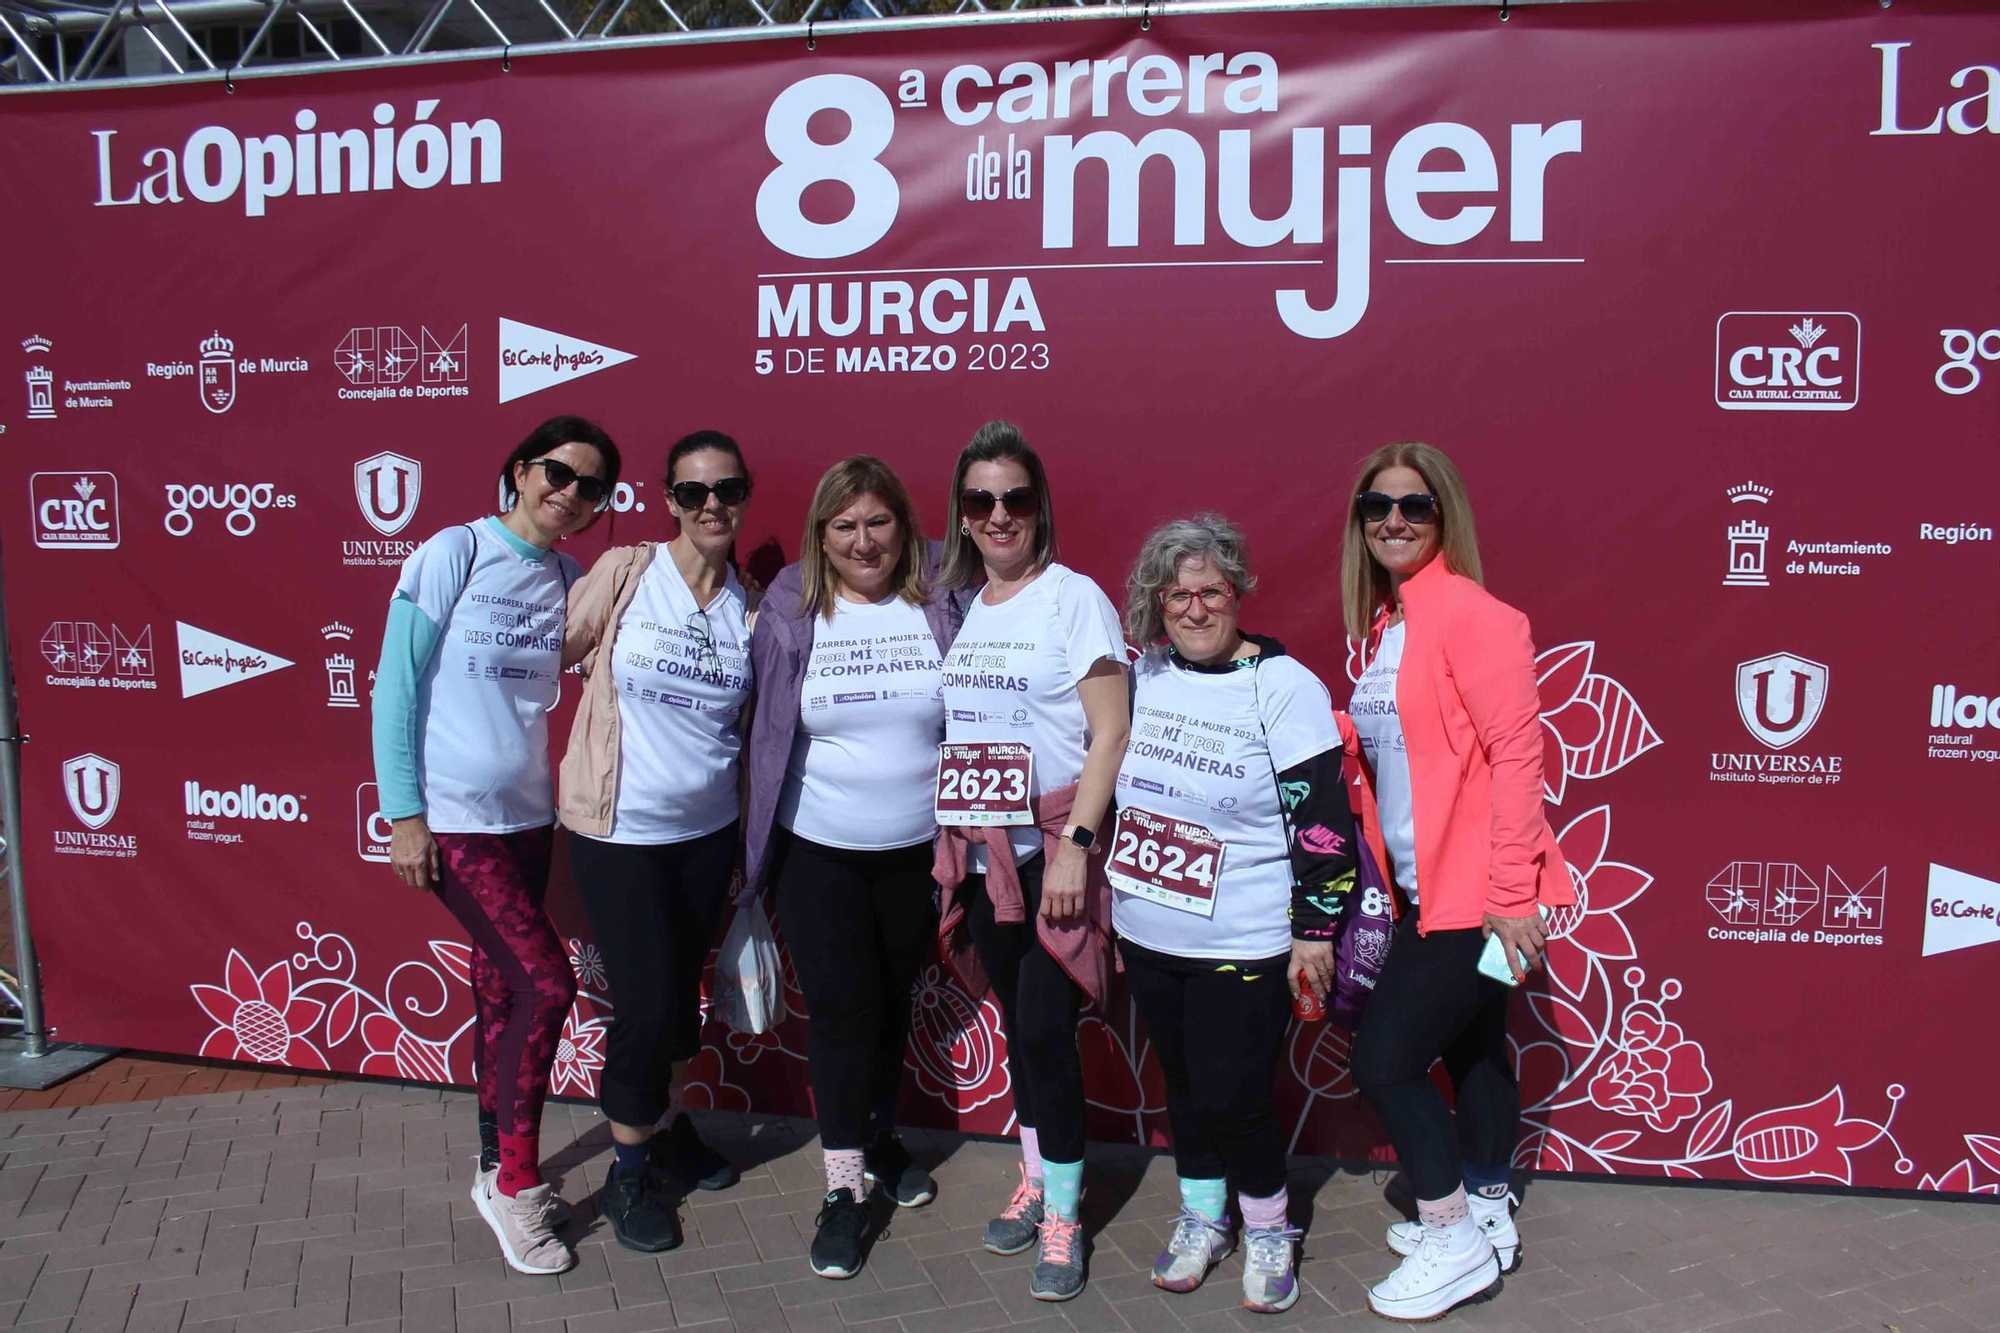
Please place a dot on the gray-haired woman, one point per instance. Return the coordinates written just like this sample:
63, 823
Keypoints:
1233, 847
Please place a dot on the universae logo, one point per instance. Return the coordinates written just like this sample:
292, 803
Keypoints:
387, 486
1787, 361
1780, 697
92, 784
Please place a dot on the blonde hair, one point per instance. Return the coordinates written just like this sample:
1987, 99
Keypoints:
1364, 584
844, 483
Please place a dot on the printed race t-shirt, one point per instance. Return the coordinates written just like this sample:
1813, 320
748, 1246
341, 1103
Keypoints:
871, 714
1373, 709
681, 675
1011, 675
484, 760
1207, 747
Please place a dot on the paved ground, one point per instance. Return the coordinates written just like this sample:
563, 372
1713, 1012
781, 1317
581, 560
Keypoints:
340, 1204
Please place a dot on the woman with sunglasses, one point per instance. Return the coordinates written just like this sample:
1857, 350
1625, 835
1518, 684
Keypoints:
1035, 693
469, 668
847, 649
1449, 720
1232, 853
649, 794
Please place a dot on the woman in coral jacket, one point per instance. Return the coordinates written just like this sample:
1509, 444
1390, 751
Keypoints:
1449, 719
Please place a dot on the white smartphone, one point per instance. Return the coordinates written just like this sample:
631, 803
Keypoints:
1493, 959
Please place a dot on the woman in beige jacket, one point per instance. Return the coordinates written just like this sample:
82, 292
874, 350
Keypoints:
650, 798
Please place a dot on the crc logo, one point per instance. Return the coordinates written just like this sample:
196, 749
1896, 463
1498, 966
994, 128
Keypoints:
1780, 697
74, 510
92, 782
1772, 361
239, 500
1959, 374
387, 487
372, 829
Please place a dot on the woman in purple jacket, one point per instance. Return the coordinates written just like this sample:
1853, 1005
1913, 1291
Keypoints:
847, 653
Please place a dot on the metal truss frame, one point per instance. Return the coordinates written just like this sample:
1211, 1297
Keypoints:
411, 31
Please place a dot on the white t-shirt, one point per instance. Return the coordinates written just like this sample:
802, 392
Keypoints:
1012, 673
1373, 709
681, 675
871, 714
483, 761
1208, 747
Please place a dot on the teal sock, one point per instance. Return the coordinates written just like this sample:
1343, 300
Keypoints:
1062, 1186
1207, 1197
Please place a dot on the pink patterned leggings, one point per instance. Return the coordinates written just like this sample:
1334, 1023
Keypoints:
521, 981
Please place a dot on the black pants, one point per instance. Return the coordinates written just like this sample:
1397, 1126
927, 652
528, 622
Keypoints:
1218, 1035
652, 913
858, 925
1040, 1004
1431, 1003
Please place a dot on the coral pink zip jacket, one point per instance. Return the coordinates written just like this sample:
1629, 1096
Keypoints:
1466, 697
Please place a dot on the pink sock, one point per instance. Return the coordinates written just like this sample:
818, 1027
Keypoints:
843, 1170
520, 1164
1441, 1213
1031, 1152
1263, 1214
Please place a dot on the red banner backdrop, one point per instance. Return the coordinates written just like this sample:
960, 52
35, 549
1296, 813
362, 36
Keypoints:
1701, 296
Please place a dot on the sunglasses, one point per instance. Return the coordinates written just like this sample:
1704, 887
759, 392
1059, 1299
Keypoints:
694, 494
1375, 506
1214, 596
561, 476
1020, 502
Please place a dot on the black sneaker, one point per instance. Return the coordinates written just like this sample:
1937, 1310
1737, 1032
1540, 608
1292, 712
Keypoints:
680, 1151
889, 1167
640, 1216
843, 1226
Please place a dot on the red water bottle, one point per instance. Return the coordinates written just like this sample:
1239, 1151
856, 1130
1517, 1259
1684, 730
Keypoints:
1306, 1004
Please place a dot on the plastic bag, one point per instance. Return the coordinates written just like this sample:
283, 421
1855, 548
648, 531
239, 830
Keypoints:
749, 978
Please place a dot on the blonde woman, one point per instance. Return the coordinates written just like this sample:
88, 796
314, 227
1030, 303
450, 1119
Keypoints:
1449, 720
847, 650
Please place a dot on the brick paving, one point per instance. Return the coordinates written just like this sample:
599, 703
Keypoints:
338, 1204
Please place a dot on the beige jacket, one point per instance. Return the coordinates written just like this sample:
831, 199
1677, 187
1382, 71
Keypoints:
589, 774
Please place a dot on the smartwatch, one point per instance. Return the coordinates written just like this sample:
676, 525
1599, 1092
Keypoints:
1081, 836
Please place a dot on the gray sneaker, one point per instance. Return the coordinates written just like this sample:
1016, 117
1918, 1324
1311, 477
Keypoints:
1058, 1272
1020, 1222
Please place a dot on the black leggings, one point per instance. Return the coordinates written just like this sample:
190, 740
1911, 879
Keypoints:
1040, 1004
1218, 1035
1431, 1003
652, 912
858, 924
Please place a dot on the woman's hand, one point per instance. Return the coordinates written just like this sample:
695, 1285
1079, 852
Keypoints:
1522, 940
1062, 883
1315, 959
414, 852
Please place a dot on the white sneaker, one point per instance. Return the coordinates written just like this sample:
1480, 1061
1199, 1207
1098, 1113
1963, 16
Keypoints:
524, 1227
1270, 1260
1495, 1218
1197, 1245
483, 1178
1451, 1265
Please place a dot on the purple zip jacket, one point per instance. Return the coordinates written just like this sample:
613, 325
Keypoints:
780, 646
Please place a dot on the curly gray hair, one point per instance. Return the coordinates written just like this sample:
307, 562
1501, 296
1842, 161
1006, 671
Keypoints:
1209, 536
